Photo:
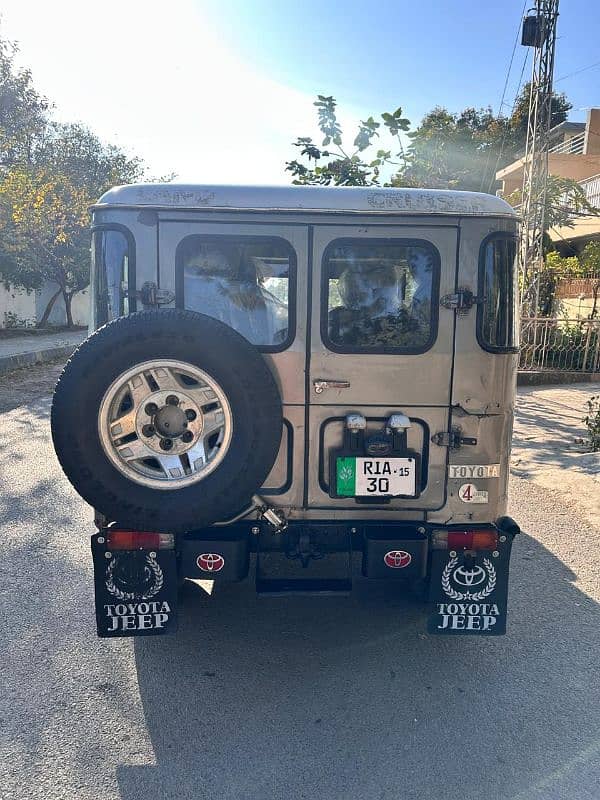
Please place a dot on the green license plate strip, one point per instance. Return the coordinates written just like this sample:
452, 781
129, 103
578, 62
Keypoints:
376, 477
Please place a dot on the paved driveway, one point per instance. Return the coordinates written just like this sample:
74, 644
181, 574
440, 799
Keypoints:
293, 698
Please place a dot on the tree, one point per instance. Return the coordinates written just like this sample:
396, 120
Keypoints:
590, 263
333, 163
454, 151
557, 267
559, 111
44, 217
23, 112
465, 150
75, 151
50, 174
566, 201
446, 151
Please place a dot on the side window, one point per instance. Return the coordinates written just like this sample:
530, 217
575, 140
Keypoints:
247, 283
496, 316
380, 296
111, 266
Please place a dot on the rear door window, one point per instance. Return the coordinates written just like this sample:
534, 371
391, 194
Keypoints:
380, 296
496, 315
246, 282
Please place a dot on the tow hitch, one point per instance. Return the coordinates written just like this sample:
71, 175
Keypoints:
135, 580
303, 550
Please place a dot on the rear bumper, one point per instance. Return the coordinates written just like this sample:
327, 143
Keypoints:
462, 571
390, 550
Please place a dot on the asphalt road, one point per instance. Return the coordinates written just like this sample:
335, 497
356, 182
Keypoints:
294, 698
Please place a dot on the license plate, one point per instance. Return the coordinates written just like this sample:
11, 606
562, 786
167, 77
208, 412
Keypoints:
376, 477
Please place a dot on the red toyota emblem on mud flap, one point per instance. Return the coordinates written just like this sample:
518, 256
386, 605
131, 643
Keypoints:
210, 562
397, 559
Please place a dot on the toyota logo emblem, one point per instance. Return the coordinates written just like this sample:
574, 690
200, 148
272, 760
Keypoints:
210, 562
469, 577
397, 559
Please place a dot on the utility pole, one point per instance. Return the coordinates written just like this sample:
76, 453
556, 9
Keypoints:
539, 32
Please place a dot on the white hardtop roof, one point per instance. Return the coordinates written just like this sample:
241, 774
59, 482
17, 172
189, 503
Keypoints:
307, 198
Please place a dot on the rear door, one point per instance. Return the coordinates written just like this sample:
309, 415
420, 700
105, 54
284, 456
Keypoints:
253, 277
380, 344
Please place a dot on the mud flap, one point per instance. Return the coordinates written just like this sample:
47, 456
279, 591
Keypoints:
470, 591
135, 590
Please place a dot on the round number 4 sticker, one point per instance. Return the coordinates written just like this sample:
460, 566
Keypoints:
469, 493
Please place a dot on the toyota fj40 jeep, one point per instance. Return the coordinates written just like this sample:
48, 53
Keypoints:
308, 376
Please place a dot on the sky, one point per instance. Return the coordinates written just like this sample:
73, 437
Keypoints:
216, 91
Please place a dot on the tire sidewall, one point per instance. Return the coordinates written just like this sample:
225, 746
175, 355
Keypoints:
232, 362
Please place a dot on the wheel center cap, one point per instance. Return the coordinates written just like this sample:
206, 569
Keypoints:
170, 421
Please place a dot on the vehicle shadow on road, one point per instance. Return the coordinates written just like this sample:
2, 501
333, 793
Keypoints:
349, 698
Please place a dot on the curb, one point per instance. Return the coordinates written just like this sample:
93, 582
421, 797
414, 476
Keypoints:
549, 378
18, 360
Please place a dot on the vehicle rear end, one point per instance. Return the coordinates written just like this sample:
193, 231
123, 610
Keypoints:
386, 321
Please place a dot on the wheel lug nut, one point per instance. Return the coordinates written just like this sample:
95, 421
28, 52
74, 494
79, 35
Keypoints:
190, 414
166, 444
187, 436
148, 430
151, 409
172, 400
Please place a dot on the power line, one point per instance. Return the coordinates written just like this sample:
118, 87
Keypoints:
512, 56
504, 134
577, 72
569, 244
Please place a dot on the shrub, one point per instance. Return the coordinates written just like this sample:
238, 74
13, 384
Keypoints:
592, 422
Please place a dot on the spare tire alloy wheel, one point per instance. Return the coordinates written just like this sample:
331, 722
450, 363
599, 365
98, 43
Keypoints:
165, 424
167, 421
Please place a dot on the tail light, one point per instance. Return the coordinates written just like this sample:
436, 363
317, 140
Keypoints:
474, 539
139, 540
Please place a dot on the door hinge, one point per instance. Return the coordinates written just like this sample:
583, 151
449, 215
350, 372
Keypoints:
461, 301
151, 295
452, 439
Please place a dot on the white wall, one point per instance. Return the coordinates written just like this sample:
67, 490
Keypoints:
79, 306
17, 302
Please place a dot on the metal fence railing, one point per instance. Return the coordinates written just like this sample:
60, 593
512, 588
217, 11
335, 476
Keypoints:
566, 345
591, 187
572, 146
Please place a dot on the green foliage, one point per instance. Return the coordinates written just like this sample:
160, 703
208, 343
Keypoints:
557, 267
50, 173
565, 202
471, 146
446, 151
454, 151
569, 267
337, 166
589, 259
12, 320
559, 111
23, 112
592, 422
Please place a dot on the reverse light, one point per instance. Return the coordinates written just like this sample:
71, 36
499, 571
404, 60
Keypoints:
139, 540
484, 539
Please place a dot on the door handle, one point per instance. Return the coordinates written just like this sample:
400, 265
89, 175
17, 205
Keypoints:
320, 385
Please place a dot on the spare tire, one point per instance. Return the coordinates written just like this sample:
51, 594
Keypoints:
166, 420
